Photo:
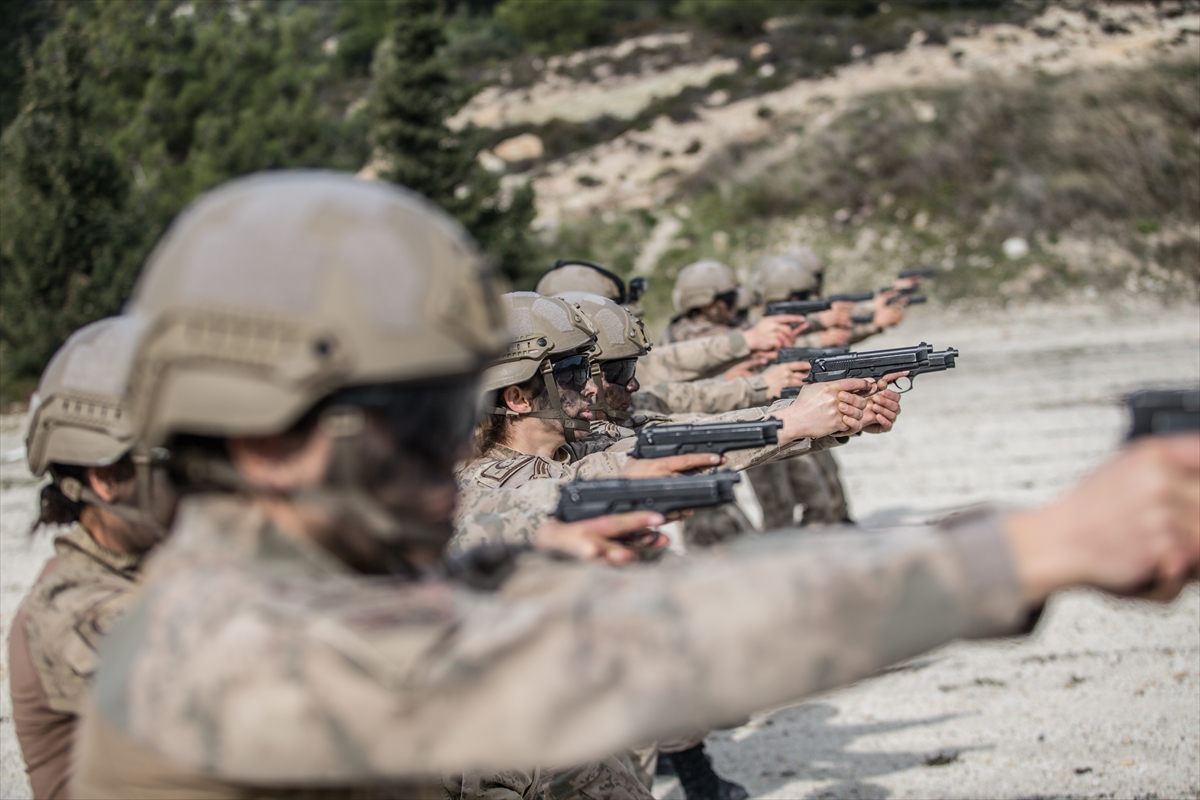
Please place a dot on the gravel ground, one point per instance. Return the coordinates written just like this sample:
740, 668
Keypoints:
1102, 701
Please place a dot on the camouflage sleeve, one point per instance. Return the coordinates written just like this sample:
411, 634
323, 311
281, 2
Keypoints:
709, 396
810, 338
692, 359
571, 661
863, 330
499, 515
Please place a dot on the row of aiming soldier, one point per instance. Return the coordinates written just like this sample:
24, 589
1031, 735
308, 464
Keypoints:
336, 519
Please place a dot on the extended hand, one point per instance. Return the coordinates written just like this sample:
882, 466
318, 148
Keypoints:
823, 409
881, 412
772, 333
781, 375
834, 337
598, 538
747, 367
1134, 521
839, 316
887, 316
671, 465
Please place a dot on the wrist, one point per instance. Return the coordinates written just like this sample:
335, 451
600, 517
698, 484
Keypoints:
1042, 564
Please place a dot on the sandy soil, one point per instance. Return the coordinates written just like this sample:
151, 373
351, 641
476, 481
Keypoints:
1104, 699
1101, 702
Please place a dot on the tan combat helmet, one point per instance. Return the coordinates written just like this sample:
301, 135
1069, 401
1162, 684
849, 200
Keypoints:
620, 337
782, 277
577, 275
544, 331
699, 284
273, 291
80, 416
285, 292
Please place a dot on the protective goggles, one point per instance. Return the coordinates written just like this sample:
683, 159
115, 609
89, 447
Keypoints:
431, 419
619, 373
573, 371
728, 298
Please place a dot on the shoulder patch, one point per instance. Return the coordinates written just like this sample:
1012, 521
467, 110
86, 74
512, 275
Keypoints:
513, 472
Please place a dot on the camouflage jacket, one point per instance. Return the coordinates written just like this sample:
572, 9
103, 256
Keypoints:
254, 659
693, 359
80, 593
708, 396
693, 326
496, 505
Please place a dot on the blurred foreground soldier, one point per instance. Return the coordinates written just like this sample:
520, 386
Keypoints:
317, 343
81, 433
706, 302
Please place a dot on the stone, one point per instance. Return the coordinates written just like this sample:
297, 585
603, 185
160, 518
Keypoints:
525, 147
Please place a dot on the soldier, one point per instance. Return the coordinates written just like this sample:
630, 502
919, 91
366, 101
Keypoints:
299, 635
813, 484
516, 443
672, 371
577, 275
706, 302
80, 432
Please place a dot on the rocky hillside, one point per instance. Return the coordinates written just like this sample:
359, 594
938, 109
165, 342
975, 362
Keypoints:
1058, 151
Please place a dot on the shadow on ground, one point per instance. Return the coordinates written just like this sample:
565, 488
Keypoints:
801, 744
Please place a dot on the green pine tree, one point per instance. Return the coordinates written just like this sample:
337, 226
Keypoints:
71, 240
413, 96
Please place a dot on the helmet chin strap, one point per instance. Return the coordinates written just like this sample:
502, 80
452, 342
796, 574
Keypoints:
139, 516
574, 430
346, 495
342, 496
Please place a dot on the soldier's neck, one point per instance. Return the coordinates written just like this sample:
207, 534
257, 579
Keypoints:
534, 437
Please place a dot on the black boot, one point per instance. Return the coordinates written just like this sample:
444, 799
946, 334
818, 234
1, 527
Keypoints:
698, 779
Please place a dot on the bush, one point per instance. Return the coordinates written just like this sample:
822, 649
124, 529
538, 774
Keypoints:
737, 17
555, 26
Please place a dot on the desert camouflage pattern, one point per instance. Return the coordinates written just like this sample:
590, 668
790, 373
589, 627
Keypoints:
75, 601
709, 396
612, 778
253, 659
502, 516
505, 496
693, 326
693, 359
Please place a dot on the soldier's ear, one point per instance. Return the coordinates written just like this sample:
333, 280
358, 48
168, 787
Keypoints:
515, 399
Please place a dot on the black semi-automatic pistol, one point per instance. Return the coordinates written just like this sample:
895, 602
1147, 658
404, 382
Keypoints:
790, 355
1163, 411
917, 273
660, 441
800, 307
875, 364
587, 499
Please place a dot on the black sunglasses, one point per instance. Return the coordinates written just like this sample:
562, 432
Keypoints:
572, 371
619, 373
728, 298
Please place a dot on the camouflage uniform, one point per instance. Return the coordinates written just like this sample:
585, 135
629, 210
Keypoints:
709, 396
693, 359
78, 596
253, 659
490, 512
693, 326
